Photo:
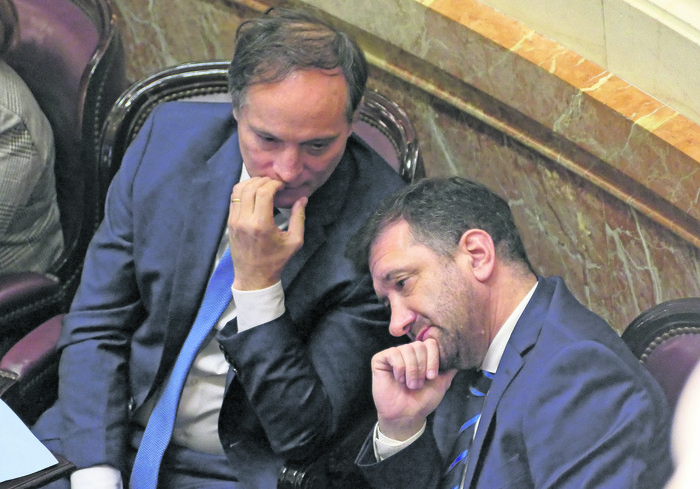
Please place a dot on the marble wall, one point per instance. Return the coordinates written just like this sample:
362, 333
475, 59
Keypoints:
653, 44
602, 179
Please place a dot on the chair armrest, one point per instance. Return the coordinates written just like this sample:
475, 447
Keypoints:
31, 354
27, 361
335, 468
23, 296
19, 288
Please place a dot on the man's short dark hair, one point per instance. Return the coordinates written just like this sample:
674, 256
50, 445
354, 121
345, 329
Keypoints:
271, 47
439, 211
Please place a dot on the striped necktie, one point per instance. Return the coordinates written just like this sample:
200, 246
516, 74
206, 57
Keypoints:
454, 475
159, 429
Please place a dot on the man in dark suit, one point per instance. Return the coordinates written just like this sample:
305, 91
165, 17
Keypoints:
298, 336
568, 406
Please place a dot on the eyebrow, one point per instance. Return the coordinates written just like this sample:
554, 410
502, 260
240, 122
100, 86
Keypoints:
322, 140
388, 280
325, 140
263, 133
390, 276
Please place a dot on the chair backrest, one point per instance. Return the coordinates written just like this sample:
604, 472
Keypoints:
71, 56
382, 123
666, 339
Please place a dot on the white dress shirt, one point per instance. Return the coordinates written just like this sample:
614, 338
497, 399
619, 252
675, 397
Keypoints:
385, 447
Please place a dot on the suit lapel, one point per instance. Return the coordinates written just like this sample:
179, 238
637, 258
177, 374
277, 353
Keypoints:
510, 365
322, 210
522, 340
206, 208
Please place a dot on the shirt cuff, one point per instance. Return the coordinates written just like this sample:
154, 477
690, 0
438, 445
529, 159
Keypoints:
256, 307
97, 477
385, 447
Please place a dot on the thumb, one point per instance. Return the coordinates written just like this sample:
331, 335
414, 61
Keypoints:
297, 218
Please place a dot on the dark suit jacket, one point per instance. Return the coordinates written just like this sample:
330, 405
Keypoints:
569, 407
307, 373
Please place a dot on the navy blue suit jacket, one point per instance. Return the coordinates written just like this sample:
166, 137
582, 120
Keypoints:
307, 373
569, 407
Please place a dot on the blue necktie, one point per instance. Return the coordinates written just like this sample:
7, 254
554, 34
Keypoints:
454, 474
159, 429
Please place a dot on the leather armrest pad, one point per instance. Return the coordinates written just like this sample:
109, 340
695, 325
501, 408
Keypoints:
34, 349
17, 289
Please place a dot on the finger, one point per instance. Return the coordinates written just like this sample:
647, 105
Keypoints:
432, 358
265, 198
242, 203
234, 205
390, 361
297, 219
236, 193
246, 193
416, 361
257, 197
404, 362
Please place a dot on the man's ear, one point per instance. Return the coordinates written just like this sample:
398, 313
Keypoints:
477, 247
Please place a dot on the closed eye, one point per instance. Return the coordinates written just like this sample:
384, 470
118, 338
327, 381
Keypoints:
266, 138
318, 146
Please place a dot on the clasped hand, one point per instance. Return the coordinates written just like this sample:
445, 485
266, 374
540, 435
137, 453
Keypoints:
407, 386
259, 249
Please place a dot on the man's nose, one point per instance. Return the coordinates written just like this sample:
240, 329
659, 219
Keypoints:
401, 321
288, 165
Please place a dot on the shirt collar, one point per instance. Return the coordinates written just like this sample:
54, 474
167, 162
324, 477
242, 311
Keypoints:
498, 345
